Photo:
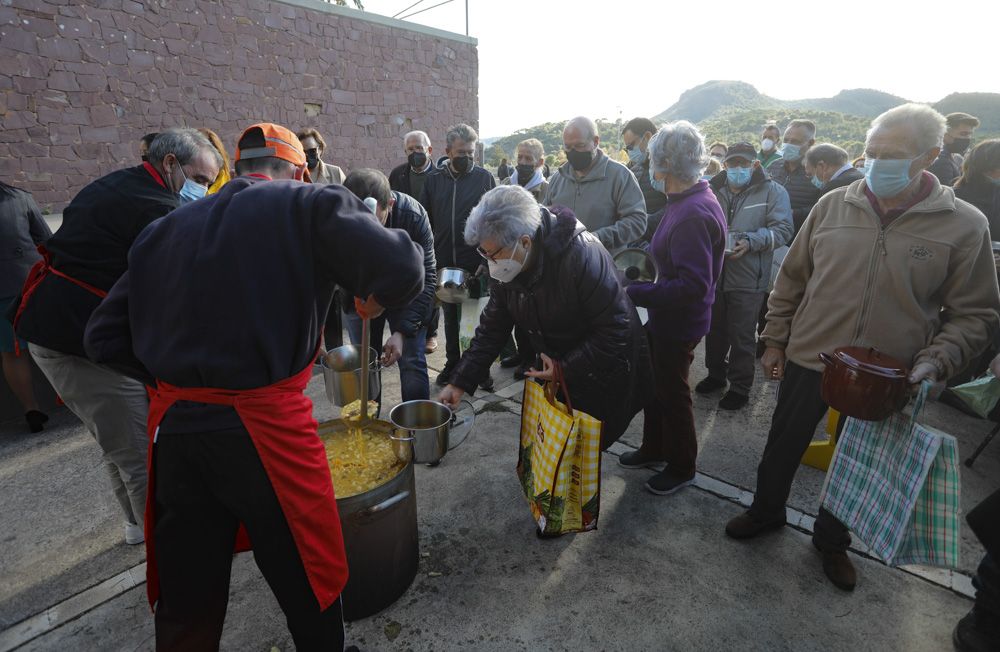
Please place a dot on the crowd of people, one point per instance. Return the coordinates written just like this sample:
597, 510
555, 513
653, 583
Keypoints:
187, 364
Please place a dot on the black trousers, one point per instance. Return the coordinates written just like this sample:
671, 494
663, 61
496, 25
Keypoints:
452, 319
333, 330
796, 416
206, 484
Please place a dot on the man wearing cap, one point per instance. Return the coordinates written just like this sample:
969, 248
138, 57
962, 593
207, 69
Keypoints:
221, 311
759, 220
79, 265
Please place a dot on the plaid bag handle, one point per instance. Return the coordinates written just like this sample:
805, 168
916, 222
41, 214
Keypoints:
918, 403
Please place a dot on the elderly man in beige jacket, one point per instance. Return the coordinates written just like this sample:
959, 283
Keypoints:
893, 261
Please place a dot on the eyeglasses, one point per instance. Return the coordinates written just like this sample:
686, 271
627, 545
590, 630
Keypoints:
314, 150
489, 256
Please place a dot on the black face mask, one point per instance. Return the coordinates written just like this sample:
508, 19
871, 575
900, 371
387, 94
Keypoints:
525, 172
959, 145
312, 159
462, 164
579, 160
145, 158
417, 160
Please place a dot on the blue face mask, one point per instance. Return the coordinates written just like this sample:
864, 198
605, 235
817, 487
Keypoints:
658, 184
190, 191
790, 152
635, 155
887, 177
817, 182
738, 177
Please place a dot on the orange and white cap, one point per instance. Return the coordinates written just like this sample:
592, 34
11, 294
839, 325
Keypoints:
267, 139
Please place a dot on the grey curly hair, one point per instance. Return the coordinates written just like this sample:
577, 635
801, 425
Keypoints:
503, 215
678, 149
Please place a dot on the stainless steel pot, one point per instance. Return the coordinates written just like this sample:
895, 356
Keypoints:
431, 428
342, 374
636, 265
380, 537
452, 285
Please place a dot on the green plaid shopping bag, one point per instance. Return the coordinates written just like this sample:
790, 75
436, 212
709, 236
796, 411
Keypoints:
896, 484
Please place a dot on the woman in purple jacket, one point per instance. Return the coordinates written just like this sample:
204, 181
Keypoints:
688, 249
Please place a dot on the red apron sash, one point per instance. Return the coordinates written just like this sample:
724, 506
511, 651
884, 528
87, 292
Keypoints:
36, 275
279, 420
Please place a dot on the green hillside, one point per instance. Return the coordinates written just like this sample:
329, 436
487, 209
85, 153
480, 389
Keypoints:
731, 111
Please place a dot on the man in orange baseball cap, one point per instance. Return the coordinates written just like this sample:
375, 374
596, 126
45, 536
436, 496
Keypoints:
221, 311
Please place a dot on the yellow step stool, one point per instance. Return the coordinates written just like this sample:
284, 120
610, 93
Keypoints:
819, 453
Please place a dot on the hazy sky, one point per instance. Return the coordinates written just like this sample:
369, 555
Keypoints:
548, 60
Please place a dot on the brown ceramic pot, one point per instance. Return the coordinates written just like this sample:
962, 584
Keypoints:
864, 383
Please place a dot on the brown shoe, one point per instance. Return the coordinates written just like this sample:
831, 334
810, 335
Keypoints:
745, 526
431, 345
838, 568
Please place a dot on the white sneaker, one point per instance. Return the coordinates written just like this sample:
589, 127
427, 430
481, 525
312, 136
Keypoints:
134, 534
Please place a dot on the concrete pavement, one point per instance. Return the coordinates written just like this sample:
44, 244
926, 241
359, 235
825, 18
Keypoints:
657, 575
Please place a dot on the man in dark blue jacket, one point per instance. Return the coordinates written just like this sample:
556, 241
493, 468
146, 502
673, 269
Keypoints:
450, 194
408, 323
223, 304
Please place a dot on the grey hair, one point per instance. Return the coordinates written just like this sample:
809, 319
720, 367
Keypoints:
184, 143
678, 149
460, 131
503, 215
585, 125
827, 153
808, 125
425, 140
534, 146
927, 125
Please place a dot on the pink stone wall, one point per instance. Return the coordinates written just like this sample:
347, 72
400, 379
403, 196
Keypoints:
81, 82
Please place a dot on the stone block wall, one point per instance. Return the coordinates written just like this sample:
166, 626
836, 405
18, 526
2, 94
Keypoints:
82, 81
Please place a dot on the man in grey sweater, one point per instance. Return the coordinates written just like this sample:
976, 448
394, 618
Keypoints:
602, 193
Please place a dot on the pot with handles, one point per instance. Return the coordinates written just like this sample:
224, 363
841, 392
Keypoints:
453, 285
864, 383
380, 535
431, 428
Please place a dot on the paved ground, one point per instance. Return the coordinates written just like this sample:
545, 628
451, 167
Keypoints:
657, 575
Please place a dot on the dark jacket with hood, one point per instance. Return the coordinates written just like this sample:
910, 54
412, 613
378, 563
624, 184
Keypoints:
408, 215
400, 178
449, 198
570, 304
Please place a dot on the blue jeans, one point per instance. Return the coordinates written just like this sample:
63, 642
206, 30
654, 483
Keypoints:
412, 364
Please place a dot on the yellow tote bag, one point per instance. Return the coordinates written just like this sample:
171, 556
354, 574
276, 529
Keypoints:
559, 461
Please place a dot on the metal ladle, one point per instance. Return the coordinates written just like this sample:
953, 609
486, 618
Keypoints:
365, 353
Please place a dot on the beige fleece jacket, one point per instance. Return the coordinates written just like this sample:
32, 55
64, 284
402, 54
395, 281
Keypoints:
922, 289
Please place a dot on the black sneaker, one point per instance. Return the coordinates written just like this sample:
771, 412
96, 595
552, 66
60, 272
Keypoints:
975, 633
445, 376
36, 420
487, 385
709, 385
666, 482
638, 460
733, 400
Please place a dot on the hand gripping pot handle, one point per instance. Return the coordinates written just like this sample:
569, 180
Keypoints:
462, 421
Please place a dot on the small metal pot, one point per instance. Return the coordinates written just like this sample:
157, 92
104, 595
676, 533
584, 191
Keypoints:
342, 374
452, 285
432, 428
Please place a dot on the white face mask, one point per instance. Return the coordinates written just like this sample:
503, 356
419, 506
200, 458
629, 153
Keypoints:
766, 145
506, 270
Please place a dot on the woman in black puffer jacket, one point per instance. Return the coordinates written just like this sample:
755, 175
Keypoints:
558, 283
